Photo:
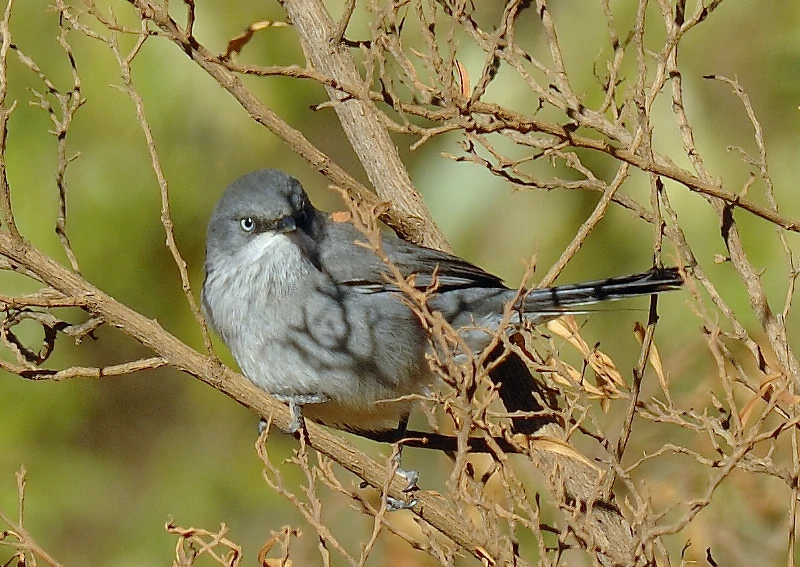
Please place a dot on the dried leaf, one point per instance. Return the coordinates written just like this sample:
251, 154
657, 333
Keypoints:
553, 445
654, 359
576, 378
463, 77
766, 392
564, 327
763, 394
609, 377
237, 43
486, 559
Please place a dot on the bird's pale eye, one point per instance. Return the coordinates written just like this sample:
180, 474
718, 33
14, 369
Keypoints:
247, 224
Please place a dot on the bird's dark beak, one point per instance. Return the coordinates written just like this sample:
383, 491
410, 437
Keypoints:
286, 224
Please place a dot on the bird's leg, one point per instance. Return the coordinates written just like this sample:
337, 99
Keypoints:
296, 403
411, 476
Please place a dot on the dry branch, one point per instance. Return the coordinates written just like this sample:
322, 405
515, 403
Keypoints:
360, 119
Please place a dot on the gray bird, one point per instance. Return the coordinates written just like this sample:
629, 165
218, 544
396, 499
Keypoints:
310, 317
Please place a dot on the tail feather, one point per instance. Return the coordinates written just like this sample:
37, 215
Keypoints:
559, 299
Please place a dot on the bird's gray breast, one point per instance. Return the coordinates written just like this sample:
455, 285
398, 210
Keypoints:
293, 330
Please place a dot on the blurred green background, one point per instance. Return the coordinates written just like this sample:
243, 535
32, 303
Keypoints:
110, 461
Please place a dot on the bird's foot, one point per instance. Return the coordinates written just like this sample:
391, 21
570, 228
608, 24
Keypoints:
395, 504
296, 403
410, 476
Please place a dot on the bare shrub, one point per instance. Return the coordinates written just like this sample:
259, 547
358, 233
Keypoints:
600, 465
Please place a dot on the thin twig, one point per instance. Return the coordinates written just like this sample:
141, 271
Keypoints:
5, 113
166, 216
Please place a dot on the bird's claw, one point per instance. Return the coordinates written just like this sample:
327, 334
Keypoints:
296, 403
395, 504
411, 477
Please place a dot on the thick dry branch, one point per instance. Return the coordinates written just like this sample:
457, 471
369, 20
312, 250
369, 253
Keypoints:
359, 118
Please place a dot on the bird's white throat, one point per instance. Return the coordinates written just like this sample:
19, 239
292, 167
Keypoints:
265, 271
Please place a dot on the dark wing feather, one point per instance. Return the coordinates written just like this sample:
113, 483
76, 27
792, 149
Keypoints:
358, 266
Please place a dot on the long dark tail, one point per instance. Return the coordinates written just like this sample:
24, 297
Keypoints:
560, 299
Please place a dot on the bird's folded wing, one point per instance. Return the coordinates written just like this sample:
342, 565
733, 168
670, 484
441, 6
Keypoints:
360, 267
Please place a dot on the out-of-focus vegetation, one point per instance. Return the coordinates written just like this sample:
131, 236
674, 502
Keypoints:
111, 460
